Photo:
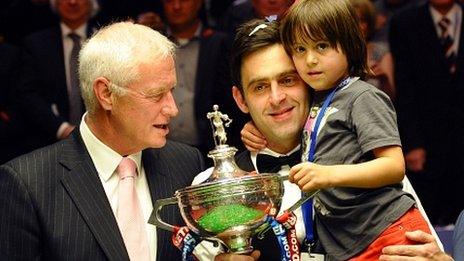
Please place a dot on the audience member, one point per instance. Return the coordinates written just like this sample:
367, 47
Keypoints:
217, 8
379, 58
203, 75
15, 139
385, 10
429, 76
48, 91
89, 196
249, 9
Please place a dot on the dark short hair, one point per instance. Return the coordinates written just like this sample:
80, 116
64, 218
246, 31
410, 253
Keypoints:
327, 20
245, 44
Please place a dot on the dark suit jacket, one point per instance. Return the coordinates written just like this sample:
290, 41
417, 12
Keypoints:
54, 206
43, 82
430, 103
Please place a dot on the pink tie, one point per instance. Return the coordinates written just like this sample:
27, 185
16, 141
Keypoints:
129, 213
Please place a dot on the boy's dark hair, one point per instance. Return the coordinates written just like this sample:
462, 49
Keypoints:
264, 34
334, 21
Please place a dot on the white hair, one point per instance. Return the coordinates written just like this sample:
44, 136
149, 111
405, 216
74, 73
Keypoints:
116, 52
94, 6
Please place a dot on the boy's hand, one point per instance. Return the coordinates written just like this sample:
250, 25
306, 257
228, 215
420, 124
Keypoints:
309, 176
252, 138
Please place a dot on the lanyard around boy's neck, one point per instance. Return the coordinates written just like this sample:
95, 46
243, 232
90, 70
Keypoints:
307, 207
325, 105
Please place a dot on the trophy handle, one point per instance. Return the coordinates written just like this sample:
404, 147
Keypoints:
155, 218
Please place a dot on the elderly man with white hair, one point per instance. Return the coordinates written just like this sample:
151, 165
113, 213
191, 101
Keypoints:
89, 196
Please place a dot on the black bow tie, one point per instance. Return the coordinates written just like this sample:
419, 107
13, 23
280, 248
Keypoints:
270, 164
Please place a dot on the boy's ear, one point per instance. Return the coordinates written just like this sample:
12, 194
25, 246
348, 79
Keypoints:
240, 100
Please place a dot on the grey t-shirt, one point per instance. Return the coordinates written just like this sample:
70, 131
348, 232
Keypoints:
359, 119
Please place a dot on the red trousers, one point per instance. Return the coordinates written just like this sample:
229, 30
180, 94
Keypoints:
394, 235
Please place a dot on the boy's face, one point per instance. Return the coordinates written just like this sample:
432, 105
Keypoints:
320, 65
274, 95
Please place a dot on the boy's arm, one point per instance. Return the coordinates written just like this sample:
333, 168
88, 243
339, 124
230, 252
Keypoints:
387, 168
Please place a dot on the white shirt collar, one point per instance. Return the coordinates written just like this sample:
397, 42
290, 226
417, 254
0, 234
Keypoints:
105, 159
452, 15
81, 30
185, 41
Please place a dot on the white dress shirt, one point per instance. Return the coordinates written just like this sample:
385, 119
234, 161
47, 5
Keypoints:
455, 17
106, 161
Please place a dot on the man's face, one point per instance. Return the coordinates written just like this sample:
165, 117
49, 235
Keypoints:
275, 96
265, 8
181, 13
74, 12
141, 116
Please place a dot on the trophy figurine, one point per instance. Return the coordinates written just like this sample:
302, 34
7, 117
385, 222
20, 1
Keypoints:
231, 203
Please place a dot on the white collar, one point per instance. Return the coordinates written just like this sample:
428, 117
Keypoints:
105, 159
270, 152
452, 14
81, 30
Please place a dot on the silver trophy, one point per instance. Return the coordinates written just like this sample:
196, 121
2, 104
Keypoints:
232, 203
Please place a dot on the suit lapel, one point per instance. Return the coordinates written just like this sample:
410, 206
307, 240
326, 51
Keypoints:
157, 176
86, 190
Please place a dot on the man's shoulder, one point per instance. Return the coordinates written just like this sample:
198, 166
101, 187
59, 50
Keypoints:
37, 161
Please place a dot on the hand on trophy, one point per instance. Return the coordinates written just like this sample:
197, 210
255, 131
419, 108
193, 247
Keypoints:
235, 257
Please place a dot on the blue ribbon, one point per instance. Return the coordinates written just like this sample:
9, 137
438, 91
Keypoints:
307, 207
281, 235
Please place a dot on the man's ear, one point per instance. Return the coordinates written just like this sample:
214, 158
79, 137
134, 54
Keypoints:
240, 100
102, 92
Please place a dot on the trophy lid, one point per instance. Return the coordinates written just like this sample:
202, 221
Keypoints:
223, 154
